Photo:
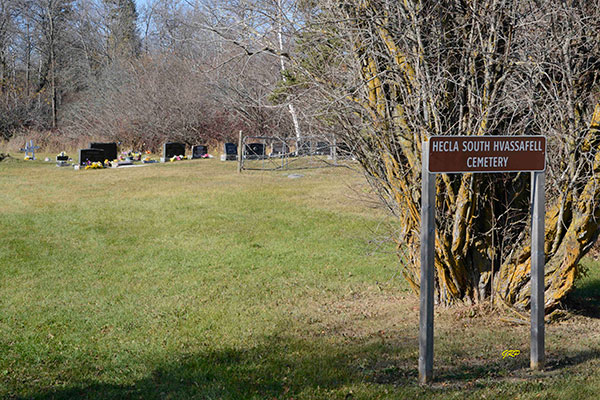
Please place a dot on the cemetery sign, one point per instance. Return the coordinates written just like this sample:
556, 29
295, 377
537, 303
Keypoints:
460, 154
487, 154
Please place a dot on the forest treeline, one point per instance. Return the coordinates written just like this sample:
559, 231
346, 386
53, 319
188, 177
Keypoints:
164, 70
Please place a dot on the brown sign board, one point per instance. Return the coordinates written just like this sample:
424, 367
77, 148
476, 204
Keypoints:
460, 154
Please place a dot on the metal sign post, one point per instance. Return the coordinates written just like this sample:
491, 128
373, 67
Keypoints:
538, 260
481, 154
427, 265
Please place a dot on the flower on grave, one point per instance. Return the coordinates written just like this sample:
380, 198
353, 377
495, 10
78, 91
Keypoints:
27, 158
172, 159
94, 165
148, 152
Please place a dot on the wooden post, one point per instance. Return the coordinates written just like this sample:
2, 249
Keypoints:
427, 268
538, 260
240, 154
334, 151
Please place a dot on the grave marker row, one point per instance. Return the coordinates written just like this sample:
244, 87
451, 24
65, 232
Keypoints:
108, 151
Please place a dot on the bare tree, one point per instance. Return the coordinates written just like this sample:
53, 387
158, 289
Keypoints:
256, 28
158, 98
408, 70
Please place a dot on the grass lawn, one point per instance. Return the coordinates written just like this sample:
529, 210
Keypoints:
187, 280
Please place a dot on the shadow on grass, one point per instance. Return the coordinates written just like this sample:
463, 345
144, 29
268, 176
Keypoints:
572, 360
585, 299
290, 368
280, 367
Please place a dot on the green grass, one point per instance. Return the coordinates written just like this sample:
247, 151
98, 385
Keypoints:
188, 280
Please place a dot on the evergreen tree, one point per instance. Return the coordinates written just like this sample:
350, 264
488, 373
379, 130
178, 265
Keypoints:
123, 40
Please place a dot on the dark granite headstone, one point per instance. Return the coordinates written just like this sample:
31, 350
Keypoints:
255, 150
91, 155
230, 151
199, 151
279, 149
173, 149
63, 158
110, 150
322, 149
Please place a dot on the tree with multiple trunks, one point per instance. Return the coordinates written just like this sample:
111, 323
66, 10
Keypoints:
400, 71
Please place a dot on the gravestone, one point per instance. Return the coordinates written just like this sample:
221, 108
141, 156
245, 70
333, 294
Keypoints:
173, 149
110, 150
30, 148
255, 150
322, 149
199, 151
230, 151
91, 155
279, 149
62, 160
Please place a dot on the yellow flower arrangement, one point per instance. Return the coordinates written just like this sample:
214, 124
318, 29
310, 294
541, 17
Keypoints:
94, 165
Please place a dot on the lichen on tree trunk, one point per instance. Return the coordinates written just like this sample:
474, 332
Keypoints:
478, 68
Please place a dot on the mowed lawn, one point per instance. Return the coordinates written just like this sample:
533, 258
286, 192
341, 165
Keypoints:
188, 280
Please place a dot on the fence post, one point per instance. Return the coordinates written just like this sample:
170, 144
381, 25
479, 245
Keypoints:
240, 154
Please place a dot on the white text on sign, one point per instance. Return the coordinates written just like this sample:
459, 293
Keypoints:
484, 145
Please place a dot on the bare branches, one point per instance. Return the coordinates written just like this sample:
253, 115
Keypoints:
472, 68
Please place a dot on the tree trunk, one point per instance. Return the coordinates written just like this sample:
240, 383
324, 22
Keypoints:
444, 68
51, 44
